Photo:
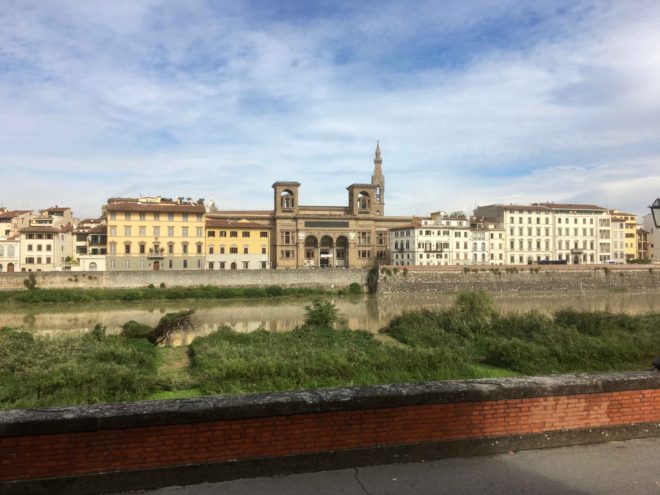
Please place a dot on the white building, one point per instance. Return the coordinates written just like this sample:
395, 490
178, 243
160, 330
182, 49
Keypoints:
552, 232
10, 257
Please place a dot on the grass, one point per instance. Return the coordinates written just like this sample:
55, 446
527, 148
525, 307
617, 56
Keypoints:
532, 343
469, 340
75, 295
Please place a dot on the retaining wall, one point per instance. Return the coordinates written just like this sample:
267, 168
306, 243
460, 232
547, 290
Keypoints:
142, 445
393, 280
183, 278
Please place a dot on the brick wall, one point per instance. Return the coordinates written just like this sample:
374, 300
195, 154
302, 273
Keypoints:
76, 442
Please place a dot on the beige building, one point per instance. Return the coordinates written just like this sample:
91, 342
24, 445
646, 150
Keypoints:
626, 235
11, 222
653, 236
90, 243
45, 248
643, 252
353, 236
155, 234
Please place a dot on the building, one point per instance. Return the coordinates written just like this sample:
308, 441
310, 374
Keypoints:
10, 257
643, 252
11, 222
626, 235
571, 233
238, 245
45, 247
155, 234
653, 236
90, 246
353, 236
488, 246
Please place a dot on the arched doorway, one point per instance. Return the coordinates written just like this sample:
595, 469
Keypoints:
92, 266
10, 267
156, 266
233, 266
341, 250
326, 252
311, 251
2, 267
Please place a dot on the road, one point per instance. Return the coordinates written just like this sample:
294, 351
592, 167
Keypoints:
623, 468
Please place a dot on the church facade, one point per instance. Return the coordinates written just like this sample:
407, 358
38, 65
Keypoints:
352, 236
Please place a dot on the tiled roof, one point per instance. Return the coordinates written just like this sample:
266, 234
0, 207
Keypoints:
571, 206
41, 229
14, 213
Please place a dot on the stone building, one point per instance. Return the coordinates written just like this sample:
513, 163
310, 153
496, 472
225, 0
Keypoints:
303, 236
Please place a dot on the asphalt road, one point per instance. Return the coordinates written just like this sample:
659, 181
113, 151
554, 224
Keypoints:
622, 468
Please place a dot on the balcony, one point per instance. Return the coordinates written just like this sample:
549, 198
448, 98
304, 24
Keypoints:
156, 254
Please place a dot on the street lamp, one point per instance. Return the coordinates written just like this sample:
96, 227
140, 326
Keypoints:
655, 211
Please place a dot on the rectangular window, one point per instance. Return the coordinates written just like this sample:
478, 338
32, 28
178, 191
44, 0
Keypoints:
170, 217
184, 217
184, 248
286, 253
199, 232
246, 265
156, 231
286, 237
263, 250
49, 247
223, 233
184, 231
170, 231
210, 249
222, 250
156, 216
113, 215
127, 216
264, 265
263, 234
185, 264
142, 230
127, 248
233, 250
142, 248
245, 233
170, 249
222, 265
233, 233
211, 233
199, 248
170, 264
143, 216
113, 231
200, 217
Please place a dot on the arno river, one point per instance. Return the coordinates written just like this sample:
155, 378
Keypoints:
361, 312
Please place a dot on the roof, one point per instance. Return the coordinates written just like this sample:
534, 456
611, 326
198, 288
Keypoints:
622, 213
61, 209
364, 186
14, 213
286, 183
571, 206
240, 213
213, 223
157, 207
43, 229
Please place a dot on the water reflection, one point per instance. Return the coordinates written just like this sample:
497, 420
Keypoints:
369, 313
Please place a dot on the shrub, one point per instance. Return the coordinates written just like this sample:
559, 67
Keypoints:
354, 289
134, 330
321, 314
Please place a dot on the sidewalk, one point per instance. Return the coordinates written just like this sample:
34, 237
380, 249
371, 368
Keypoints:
617, 468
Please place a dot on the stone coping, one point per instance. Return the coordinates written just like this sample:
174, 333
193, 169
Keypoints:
203, 409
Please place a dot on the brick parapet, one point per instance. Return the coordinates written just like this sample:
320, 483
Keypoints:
85, 441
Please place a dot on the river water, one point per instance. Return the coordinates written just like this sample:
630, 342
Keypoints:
361, 312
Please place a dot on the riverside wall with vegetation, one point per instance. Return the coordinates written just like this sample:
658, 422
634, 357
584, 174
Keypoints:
326, 279
532, 278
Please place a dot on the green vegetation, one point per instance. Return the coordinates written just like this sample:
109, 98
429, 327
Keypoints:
469, 340
87, 369
532, 343
151, 293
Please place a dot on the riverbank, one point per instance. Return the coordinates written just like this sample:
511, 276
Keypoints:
469, 340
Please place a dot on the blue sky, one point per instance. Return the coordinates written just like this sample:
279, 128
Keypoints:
473, 102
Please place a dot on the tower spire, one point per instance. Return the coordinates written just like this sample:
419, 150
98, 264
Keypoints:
378, 180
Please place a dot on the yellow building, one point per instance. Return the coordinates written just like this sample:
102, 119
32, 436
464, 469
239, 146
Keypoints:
629, 222
240, 245
155, 234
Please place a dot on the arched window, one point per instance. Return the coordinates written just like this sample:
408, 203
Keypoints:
286, 199
364, 201
92, 267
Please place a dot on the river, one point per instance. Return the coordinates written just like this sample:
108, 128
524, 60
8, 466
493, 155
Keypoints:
361, 312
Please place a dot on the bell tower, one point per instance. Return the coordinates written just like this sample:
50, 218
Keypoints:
378, 180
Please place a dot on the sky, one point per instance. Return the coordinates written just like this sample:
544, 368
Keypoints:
473, 102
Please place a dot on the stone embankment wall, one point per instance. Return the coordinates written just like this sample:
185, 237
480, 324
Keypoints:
229, 278
393, 280
142, 445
